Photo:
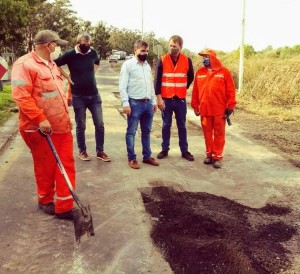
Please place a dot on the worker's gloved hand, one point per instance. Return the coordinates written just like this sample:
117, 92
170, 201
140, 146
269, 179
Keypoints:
228, 112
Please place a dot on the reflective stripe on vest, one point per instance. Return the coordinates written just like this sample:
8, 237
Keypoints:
174, 74
173, 84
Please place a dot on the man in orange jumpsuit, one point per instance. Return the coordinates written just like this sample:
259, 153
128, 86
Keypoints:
39, 92
213, 98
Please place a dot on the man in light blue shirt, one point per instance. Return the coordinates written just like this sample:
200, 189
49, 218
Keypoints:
138, 101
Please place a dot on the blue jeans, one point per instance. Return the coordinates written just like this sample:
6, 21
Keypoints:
179, 107
94, 104
141, 112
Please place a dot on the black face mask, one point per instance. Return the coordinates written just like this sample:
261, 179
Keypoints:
206, 62
143, 57
84, 48
174, 51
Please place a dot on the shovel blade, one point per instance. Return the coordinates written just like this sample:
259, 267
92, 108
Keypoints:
83, 224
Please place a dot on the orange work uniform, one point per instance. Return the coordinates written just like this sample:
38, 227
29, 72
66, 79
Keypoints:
213, 93
39, 92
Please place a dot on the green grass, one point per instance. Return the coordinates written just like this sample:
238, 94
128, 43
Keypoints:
6, 104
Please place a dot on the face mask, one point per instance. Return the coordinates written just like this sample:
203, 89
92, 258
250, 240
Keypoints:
143, 57
206, 62
56, 53
174, 51
84, 48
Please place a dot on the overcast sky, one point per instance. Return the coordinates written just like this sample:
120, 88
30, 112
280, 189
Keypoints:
215, 24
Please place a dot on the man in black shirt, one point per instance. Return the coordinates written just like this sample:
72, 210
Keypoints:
83, 62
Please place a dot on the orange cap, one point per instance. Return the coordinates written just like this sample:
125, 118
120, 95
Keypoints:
208, 52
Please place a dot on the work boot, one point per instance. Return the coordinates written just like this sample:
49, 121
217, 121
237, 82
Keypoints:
208, 161
47, 208
188, 156
162, 154
217, 164
67, 215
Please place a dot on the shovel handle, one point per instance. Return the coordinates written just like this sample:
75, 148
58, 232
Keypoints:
61, 167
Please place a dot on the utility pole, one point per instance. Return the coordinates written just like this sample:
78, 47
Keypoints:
142, 19
241, 67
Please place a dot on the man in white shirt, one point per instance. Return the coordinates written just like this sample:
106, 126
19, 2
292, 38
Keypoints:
138, 101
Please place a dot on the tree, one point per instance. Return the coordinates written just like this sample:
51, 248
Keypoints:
123, 39
21, 19
101, 40
57, 16
248, 51
14, 18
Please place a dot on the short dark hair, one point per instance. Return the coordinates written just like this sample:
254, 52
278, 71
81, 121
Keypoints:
177, 39
140, 43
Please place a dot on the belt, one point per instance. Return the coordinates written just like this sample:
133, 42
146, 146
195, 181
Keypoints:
175, 97
143, 100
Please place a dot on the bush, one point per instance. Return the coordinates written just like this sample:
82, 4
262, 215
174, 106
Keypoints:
6, 104
273, 81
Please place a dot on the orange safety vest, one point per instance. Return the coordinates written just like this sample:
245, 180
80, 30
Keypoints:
174, 78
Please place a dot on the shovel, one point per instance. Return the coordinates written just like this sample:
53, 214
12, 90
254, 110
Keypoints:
83, 221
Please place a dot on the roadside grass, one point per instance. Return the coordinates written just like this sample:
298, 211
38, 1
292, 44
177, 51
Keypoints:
6, 104
281, 113
272, 88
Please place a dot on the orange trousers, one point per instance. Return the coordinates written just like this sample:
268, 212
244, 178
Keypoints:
214, 135
49, 180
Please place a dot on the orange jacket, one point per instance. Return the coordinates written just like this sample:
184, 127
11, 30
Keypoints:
213, 90
174, 79
39, 91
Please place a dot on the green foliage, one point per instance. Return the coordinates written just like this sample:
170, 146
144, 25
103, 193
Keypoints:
248, 52
13, 17
123, 39
101, 40
273, 81
57, 16
6, 103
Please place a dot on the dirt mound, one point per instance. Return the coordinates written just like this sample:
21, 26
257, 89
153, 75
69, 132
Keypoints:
204, 233
283, 136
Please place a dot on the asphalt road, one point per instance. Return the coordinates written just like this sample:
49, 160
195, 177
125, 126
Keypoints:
32, 242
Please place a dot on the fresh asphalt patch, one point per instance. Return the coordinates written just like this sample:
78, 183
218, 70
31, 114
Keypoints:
205, 233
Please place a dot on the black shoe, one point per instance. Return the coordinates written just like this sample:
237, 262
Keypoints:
151, 161
162, 154
47, 208
208, 161
69, 215
217, 164
188, 156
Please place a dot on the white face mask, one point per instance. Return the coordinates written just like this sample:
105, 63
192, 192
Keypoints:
56, 53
